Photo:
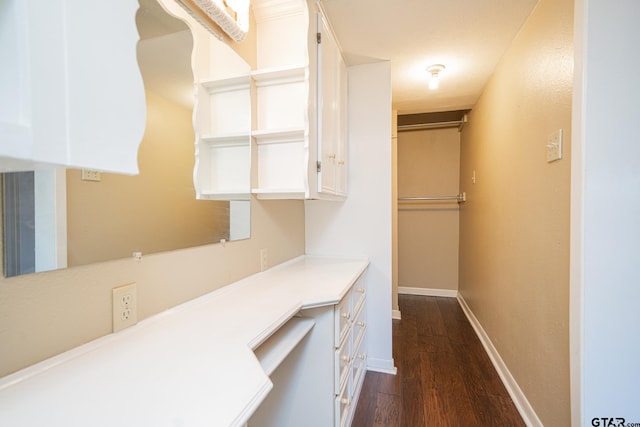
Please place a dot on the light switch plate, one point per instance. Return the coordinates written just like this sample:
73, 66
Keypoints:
264, 264
554, 146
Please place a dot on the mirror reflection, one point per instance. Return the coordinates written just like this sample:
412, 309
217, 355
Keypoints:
63, 218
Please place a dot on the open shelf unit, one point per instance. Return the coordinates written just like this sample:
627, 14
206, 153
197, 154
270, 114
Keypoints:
222, 121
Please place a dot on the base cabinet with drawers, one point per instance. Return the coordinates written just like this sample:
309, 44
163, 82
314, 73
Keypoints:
319, 383
350, 352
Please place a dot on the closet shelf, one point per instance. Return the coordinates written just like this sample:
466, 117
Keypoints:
462, 197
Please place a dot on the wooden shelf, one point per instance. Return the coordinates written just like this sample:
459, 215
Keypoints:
272, 352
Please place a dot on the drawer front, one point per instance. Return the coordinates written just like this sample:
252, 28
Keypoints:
359, 324
358, 365
342, 365
342, 317
358, 294
342, 407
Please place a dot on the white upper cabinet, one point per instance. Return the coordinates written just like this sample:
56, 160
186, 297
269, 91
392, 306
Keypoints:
332, 110
71, 92
299, 87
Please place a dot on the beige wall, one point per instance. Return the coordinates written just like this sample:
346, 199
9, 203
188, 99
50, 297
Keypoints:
514, 227
47, 313
151, 212
44, 314
429, 166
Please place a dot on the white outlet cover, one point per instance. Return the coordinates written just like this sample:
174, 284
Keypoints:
91, 175
124, 304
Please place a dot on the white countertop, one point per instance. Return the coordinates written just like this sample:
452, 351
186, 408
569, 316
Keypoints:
192, 365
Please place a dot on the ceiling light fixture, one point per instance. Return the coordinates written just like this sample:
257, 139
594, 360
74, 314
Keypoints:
434, 80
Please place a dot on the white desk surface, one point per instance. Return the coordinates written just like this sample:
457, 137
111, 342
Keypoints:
192, 365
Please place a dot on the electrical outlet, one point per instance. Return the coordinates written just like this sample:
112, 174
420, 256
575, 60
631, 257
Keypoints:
125, 310
91, 175
263, 259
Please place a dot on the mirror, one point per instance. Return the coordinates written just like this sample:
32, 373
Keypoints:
63, 218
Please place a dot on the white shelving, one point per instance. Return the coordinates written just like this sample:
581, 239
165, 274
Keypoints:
278, 136
228, 84
222, 120
287, 134
280, 75
280, 163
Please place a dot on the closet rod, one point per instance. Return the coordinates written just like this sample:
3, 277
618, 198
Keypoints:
460, 198
420, 126
435, 125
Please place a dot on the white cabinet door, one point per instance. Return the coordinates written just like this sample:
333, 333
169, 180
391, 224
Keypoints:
71, 92
331, 113
342, 151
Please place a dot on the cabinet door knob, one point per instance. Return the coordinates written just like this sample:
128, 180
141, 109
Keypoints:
341, 162
345, 401
360, 323
346, 315
346, 358
362, 356
361, 290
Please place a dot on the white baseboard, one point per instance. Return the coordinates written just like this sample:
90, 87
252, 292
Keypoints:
429, 292
525, 409
384, 366
395, 314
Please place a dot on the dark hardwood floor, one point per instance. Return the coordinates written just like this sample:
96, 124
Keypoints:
445, 377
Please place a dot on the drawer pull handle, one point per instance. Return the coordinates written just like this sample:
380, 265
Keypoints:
346, 315
346, 358
361, 323
361, 290
345, 401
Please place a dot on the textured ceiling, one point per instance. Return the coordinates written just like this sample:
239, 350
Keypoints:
468, 36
